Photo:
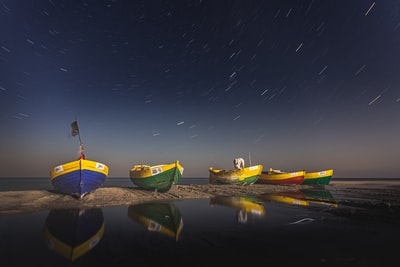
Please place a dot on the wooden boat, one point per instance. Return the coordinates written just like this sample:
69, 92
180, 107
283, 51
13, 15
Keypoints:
245, 206
164, 218
159, 178
79, 177
245, 176
279, 177
318, 178
72, 233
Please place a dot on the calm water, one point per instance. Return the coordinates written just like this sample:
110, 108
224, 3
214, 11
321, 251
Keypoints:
292, 228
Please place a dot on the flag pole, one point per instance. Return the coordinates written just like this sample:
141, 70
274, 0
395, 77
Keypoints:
74, 132
250, 159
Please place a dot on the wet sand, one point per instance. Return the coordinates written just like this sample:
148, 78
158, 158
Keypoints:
369, 199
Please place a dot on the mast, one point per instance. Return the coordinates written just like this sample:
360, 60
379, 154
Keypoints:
250, 159
75, 132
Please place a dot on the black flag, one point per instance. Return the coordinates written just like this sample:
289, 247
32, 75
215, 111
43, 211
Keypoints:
75, 129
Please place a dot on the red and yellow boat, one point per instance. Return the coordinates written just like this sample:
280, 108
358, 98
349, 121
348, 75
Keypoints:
279, 177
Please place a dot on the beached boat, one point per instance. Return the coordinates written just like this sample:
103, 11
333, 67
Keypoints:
279, 177
241, 175
81, 176
72, 233
164, 218
318, 178
159, 178
245, 206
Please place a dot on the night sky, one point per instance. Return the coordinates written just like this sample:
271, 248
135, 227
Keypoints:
288, 84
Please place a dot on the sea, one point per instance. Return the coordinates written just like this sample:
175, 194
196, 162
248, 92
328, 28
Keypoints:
301, 227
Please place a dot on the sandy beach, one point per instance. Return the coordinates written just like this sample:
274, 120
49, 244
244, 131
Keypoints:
375, 197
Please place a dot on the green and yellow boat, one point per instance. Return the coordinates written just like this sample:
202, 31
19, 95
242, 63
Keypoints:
318, 178
158, 178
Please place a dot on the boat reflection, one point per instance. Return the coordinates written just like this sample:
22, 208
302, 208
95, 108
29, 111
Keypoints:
245, 205
72, 233
159, 217
303, 197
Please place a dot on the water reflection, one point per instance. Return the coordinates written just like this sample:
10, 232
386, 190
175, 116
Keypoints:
159, 217
245, 205
303, 197
354, 236
72, 233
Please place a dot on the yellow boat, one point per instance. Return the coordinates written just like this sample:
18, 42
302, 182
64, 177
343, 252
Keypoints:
246, 176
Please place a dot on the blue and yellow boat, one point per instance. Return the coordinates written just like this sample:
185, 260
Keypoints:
79, 177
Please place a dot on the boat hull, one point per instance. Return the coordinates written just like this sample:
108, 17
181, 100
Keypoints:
318, 178
245, 176
159, 178
78, 178
281, 178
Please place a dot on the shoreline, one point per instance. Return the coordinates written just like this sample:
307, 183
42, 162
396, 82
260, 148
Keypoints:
351, 193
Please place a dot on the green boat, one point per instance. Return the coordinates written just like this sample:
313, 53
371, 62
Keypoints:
158, 178
318, 178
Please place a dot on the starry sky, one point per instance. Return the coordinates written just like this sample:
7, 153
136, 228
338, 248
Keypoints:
292, 85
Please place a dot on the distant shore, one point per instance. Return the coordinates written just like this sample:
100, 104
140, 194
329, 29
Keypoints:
357, 193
